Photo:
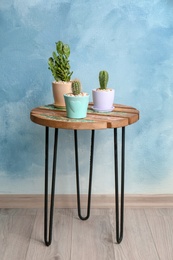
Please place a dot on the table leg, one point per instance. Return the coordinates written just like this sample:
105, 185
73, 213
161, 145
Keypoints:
119, 226
90, 175
48, 238
119, 218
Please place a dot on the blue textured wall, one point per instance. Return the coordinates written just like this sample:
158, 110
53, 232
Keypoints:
131, 39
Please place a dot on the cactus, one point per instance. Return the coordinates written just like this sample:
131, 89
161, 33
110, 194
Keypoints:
76, 87
103, 79
59, 64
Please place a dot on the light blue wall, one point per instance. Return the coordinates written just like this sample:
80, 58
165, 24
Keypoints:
131, 39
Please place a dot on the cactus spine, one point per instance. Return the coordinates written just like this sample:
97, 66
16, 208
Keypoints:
103, 79
76, 87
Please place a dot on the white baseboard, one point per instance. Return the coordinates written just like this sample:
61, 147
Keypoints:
98, 201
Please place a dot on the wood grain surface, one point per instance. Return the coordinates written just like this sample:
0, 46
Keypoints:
51, 116
148, 235
97, 201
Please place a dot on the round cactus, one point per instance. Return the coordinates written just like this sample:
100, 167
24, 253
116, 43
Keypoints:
103, 79
76, 87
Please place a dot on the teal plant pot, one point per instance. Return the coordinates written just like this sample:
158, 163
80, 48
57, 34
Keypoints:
76, 106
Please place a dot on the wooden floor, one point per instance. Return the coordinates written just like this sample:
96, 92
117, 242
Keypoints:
148, 235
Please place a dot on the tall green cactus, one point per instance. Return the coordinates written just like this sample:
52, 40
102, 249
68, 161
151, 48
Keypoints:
59, 64
76, 87
103, 79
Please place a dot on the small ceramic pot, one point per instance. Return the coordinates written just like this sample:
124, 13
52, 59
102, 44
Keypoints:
76, 106
103, 100
59, 89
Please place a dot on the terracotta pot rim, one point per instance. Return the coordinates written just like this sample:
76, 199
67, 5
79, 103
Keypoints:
61, 82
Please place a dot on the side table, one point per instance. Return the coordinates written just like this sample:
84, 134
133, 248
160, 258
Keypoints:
50, 116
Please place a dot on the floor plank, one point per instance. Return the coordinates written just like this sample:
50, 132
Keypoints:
148, 235
18, 226
4, 232
60, 249
92, 239
137, 242
161, 225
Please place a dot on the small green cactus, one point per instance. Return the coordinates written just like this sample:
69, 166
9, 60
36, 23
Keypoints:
103, 79
76, 87
59, 64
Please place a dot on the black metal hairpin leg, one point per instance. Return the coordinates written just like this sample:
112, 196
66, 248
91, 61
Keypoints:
48, 238
90, 176
119, 218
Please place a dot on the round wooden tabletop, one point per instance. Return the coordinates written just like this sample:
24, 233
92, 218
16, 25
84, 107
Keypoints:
50, 116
